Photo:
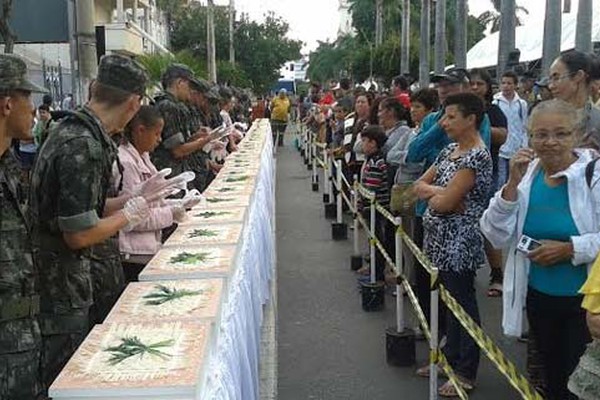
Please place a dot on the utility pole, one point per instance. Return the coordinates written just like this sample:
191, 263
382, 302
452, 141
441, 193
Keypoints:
552, 34
405, 38
460, 45
231, 23
440, 36
425, 45
210, 37
506, 42
583, 34
84, 64
378, 22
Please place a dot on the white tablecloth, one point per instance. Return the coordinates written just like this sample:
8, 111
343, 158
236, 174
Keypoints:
233, 368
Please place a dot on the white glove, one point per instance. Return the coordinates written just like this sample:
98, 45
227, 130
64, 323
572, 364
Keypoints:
158, 187
179, 213
135, 210
191, 198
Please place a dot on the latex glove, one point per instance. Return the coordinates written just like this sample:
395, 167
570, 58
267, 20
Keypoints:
191, 198
179, 213
135, 210
158, 187
217, 145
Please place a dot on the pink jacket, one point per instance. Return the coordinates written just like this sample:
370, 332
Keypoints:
145, 238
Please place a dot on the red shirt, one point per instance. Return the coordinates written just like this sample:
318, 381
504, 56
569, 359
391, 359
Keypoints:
404, 99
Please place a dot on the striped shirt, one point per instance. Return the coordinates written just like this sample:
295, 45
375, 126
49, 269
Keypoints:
374, 177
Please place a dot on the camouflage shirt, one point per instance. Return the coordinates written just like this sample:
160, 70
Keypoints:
69, 186
175, 132
17, 273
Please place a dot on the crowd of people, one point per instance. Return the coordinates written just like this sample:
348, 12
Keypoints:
502, 177
85, 210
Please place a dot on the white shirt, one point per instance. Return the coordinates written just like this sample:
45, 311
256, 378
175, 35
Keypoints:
515, 111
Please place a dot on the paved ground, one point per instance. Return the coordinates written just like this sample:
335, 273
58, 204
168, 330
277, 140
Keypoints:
328, 347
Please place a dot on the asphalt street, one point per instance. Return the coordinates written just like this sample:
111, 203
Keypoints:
328, 347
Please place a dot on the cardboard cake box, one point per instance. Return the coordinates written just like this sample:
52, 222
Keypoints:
190, 262
163, 360
206, 234
183, 300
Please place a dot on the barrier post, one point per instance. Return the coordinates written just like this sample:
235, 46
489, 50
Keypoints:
339, 230
311, 155
326, 192
400, 341
313, 166
373, 292
434, 330
356, 260
303, 142
331, 206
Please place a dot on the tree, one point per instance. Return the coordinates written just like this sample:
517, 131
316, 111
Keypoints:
583, 35
460, 45
552, 34
6, 31
506, 41
425, 39
494, 16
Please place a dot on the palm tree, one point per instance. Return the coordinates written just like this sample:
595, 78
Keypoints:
493, 17
460, 45
378, 22
439, 61
425, 44
506, 41
552, 33
405, 38
583, 35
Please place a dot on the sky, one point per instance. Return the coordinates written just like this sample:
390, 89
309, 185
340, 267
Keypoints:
314, 20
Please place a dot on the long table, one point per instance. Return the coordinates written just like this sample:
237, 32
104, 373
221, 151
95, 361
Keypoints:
193, 330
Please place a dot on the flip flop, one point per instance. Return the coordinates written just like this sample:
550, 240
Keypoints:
448, 390
424, 372
495, 290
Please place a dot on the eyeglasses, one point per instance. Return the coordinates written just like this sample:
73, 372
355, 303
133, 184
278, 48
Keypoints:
555, 78
546, 136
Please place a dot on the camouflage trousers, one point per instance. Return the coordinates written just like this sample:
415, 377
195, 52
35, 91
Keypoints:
20, 375
108, 282
61, 336
585, 380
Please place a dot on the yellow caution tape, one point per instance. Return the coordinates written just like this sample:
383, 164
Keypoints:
502, 363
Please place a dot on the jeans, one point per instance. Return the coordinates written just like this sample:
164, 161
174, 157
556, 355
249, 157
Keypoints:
503, 169
461, 350
558, 326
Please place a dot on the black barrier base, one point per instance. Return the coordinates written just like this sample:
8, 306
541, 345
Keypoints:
400, 347
315, 186
326, 198
373, 296
309, 166
330, 211
356, 262
302, 153
339, 231
317, 177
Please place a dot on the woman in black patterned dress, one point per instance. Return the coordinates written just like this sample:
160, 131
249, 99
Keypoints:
456, 188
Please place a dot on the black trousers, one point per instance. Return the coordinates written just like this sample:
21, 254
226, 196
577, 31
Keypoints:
558, 326
423, 281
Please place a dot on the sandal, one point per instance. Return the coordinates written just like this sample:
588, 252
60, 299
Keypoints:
364, 270
425, 370
495, 290
448, 389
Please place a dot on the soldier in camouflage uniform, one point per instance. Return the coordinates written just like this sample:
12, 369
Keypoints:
19, 303
73, 219
182, 140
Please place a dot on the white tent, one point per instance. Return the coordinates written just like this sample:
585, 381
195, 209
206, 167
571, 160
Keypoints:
529, 40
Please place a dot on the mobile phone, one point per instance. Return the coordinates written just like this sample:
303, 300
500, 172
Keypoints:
527, 244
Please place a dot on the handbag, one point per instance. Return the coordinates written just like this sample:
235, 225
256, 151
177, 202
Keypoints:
403, 199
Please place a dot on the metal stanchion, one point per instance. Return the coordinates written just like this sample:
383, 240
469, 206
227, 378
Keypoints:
356, 260
373, 292
434, 342
331, 206
313, 167
339, 230
309, 149
326, 192
400, 341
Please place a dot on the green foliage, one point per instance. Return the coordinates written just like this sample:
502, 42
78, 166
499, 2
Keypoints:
354, 55
164, 294
133, 346
210, 214
260, 48
217, 200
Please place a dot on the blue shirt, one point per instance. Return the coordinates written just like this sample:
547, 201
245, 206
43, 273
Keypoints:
549, 218
432, 140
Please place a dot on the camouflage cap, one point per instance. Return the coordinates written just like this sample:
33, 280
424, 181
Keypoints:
179, 71
13, 75
204, 87
123, 73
